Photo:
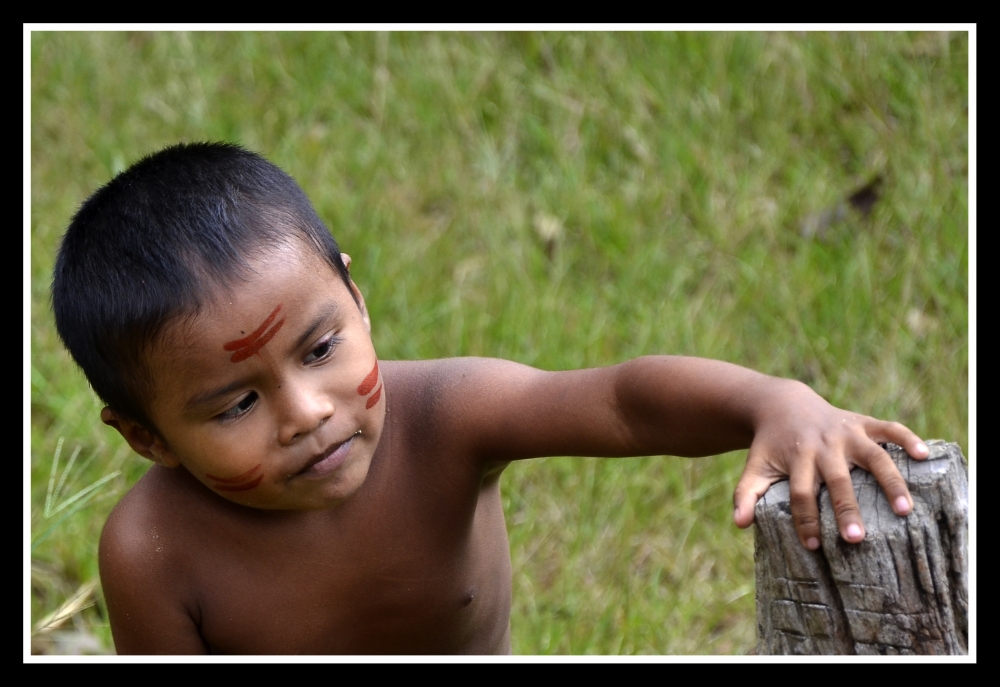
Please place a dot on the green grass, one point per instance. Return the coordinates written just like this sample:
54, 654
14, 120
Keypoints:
562, 200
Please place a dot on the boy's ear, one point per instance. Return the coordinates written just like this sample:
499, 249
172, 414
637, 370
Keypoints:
357, 292
142, 441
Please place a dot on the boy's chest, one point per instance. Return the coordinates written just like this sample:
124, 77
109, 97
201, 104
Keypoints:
420, 579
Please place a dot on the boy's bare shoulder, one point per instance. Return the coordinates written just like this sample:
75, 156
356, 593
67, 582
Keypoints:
501, 410
453, 393
429, 376
446, 406
155, 524
435, 380
132, 527
144, 559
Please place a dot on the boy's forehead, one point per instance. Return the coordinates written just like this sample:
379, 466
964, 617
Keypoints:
289, 264
281, 282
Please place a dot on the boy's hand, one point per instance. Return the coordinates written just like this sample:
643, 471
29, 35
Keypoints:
803, 437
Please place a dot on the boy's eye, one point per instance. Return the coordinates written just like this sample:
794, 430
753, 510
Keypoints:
244, 406
323, 350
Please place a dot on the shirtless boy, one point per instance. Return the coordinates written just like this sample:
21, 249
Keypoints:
309, 498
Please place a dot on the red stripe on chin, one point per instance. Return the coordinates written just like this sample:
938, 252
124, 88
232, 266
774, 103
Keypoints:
239, 478
239, 487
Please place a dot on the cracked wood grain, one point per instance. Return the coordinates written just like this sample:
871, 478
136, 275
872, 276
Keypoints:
903, 590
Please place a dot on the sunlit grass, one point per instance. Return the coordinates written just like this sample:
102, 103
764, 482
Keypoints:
563, 200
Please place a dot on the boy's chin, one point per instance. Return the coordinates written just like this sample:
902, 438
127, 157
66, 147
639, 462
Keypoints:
301, 493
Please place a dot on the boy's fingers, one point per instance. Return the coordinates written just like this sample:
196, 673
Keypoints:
875, 460
752, 485
845, 505
803, 488
880, 430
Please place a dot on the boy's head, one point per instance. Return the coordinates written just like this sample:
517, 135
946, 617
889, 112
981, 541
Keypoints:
156, 243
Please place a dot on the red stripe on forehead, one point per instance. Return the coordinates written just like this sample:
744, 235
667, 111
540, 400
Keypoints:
369, 382
248, 351
248, 340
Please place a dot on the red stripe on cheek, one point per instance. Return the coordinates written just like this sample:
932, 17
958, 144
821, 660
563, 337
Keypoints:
248, 351
246, 341
369, 382
374, 398
239, 487
239, 478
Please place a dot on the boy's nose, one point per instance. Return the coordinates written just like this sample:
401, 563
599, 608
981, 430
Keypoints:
304, 410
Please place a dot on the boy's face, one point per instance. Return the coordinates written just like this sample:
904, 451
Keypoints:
272, 396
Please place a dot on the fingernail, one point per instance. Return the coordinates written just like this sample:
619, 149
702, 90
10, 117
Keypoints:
812, 543
922, 448
853, 532
902, 506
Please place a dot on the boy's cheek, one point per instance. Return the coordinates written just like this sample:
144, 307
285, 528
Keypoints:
226, 484
255, 487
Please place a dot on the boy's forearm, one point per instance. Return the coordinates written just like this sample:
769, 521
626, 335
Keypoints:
693, 406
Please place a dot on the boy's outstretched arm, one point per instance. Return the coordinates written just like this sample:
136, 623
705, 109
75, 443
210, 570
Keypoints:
696, 407
793, 433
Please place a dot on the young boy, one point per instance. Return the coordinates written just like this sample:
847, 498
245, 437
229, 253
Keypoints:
307, 497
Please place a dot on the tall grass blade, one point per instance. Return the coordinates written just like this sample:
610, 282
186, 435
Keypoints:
82, 498
86, 490
73, 605
50, 491
65, 473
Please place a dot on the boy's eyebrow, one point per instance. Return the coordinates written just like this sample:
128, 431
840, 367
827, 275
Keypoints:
328, 312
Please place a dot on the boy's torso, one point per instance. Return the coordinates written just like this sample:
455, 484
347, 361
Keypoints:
417, 561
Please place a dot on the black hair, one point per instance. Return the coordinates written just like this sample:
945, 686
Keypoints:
147, 248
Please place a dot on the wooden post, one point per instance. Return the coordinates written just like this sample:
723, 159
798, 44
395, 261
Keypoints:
903, 590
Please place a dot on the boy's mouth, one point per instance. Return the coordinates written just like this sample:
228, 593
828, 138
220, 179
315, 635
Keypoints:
327, 461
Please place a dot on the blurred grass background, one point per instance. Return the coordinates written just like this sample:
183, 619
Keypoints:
563, 200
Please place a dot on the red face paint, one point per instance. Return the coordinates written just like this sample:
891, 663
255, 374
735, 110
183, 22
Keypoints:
374, 398
233, 480
239, 487
249, 345
369, 382
234, 483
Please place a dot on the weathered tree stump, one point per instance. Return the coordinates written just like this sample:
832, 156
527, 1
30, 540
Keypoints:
903, 590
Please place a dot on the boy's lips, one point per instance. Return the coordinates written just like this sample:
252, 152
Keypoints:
327, 461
